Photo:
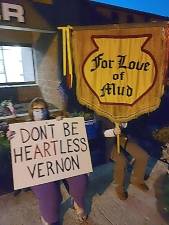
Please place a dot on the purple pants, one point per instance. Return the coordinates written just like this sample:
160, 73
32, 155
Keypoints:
49, 196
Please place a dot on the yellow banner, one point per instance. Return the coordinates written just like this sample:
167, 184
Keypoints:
120, 71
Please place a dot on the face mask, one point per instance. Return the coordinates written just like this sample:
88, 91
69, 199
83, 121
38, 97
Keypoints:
40, 114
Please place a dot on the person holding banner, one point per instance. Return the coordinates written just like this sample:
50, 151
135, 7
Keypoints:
49, 194
139, 159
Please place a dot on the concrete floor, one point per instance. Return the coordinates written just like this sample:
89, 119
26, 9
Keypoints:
102, 203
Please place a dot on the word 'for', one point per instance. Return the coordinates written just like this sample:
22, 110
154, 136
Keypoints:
100, 62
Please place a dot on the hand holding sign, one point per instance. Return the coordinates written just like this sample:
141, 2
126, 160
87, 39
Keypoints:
10, 134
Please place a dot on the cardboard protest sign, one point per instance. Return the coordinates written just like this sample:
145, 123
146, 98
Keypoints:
120, 69
49, 150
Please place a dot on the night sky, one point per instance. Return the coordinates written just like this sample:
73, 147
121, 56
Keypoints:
159, 7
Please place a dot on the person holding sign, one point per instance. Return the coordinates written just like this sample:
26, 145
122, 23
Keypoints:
49, 194
139, 158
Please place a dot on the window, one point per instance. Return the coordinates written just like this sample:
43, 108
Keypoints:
16, 65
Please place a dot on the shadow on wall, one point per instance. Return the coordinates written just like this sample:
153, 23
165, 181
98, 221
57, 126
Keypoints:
41, 46
161, 187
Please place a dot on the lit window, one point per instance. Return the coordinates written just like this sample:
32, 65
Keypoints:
16, 65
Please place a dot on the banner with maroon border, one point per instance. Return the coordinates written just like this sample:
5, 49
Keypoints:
120, 69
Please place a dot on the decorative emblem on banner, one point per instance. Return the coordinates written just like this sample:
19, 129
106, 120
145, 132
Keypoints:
117, 75
120, 70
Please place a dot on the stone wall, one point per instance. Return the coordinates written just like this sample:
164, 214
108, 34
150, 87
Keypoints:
47, 68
